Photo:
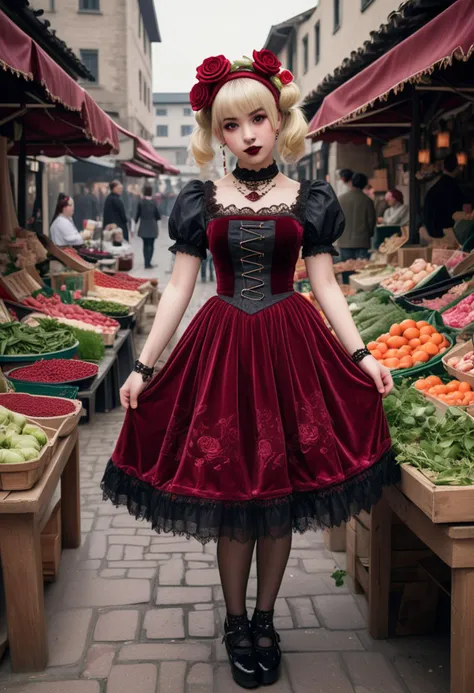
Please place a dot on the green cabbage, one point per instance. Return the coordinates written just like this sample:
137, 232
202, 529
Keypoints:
11, 457
37, 432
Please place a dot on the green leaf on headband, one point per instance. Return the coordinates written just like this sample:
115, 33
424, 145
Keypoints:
277, 82
244, 62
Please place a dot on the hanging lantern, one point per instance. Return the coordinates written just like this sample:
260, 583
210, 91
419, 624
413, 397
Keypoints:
424, 156
369, 141
462, 158
443, 139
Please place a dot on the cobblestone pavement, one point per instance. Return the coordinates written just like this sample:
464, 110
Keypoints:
137, 612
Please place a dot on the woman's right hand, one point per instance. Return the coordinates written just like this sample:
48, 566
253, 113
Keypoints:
131, 389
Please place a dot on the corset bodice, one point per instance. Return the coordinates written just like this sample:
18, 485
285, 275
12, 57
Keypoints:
254, 258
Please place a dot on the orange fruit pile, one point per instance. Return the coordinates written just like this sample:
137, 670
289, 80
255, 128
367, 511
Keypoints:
454, 393
408, 344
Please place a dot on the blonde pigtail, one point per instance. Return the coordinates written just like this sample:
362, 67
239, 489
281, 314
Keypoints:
294, 128
200, 143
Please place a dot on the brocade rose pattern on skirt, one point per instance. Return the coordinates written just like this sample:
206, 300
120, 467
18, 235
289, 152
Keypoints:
218, 444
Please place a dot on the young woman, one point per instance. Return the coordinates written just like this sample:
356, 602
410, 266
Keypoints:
261, 422
63, 231
148, 216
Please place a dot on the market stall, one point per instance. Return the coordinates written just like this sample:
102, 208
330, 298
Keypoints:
413, 556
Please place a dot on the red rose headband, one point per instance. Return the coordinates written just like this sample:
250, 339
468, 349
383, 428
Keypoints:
217, 70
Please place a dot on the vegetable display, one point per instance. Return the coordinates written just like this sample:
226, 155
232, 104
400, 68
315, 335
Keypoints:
461, 314
91, 345
117, 281
374, 314
33, 406
19, 440
126, 297
455, 393
109, 307
444, 300
464, 364
54, 307
408, 344
442, 448
55, 371
405, 280
19, 339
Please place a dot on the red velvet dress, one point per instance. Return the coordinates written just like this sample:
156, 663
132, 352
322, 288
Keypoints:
259, 423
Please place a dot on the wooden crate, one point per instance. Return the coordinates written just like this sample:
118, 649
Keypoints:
335, 538
442, 504
85, 283
459, 351
21, 284
414, 598
51, 545
409, 253
23, 476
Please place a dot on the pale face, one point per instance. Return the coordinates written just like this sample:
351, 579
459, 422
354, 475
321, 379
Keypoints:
251, 138
390, 200
68, 210
118, 189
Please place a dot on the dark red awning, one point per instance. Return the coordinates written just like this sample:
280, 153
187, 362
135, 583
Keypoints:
137, 171
447, 37
146, 153
76, 125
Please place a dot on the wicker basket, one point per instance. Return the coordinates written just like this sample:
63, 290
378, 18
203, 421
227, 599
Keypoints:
23, 476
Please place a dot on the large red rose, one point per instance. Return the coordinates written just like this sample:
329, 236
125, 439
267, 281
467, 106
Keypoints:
199, 96
265, 61
213, 69
286, 77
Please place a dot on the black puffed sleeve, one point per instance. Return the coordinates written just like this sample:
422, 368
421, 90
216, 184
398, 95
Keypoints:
323, 220
187, 223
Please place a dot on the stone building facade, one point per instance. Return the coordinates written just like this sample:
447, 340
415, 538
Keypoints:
114, 40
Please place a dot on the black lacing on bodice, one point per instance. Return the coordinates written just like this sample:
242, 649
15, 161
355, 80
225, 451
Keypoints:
216, 209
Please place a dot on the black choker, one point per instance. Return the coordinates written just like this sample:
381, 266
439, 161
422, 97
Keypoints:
245, 175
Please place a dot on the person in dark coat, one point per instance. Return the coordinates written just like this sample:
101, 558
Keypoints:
148, 216
86, 206
443, 199
114, 209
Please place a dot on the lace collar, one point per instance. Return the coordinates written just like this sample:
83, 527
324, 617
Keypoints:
216, 209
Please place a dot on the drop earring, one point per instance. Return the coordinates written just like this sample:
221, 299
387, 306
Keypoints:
277, 135
224, 159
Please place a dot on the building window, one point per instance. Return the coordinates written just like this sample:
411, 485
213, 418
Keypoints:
145, 37
317, 42
90, 58
187, 111
162, 131
305, 54
89, 5
337, 14
52, 7
140, 84
161, 111
292, 54
364, 4
139, 23
186, 130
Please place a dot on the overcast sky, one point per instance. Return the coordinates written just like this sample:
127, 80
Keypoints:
192, 30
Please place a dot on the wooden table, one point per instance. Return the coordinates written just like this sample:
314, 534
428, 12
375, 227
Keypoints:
23, 514
453, 544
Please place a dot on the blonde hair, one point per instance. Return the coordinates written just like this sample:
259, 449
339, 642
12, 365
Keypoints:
242, 96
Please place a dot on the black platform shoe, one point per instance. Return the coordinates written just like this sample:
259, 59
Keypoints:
240, 650
268, 658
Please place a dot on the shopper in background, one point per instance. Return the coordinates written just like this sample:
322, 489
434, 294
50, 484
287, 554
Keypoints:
63, 231
397, 213
148, 216
208, 262
359, 212
86, 206
378, 198
114, 209
345, 176
443, 199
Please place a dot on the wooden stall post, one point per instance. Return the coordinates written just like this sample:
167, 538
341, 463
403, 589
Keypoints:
462, 630
414, 188
380, 569
20, 550
71, 502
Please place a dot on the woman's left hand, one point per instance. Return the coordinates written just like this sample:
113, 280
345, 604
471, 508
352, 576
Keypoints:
381, 375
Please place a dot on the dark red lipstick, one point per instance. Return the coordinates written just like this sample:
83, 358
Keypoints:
253, 151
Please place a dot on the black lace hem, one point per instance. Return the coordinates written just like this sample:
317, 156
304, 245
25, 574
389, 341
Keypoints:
206, 520
319, 250
186, 248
